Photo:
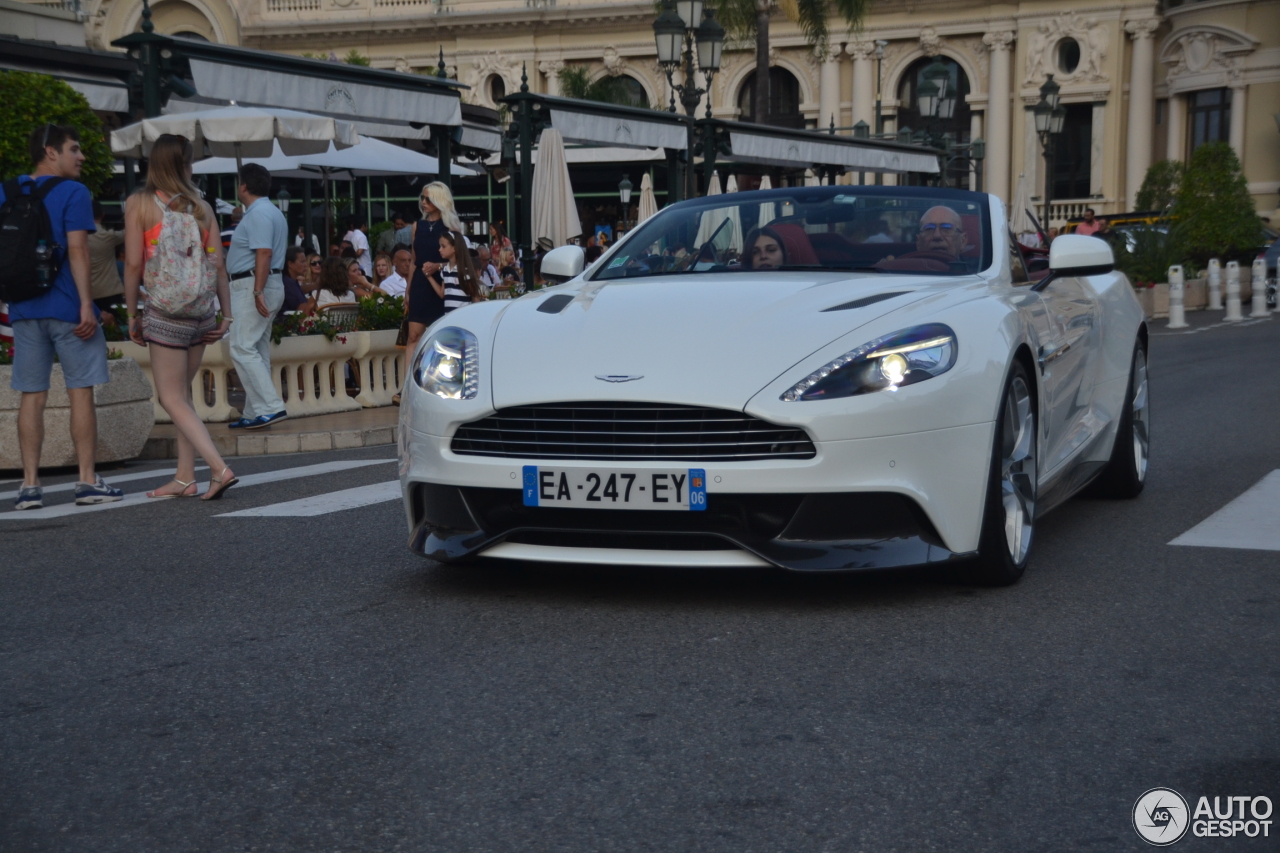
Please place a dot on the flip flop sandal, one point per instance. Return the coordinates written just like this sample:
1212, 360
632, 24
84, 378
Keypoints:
214, 494
182, 494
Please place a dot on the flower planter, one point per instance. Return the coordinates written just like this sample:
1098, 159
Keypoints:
309, 372
1196, 294
1154, 300
124, 413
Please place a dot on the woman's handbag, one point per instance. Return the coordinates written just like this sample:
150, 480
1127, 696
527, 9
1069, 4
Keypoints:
402, 339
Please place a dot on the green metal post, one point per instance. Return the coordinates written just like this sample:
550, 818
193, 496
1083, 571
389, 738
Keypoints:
526, 178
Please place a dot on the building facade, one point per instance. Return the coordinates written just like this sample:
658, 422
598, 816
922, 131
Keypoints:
1141, 80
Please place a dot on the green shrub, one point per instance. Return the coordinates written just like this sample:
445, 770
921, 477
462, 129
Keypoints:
1214, 207
32, 99
1155, 249
1160, 186
380, 312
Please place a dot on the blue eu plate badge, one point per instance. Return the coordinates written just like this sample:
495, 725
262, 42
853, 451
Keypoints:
531, 485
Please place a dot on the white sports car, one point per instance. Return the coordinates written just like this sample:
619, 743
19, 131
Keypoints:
814, 378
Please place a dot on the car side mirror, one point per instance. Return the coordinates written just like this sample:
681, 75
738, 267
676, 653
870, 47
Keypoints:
1075, 254
560, 265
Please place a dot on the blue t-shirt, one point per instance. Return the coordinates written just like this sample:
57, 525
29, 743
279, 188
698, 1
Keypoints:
70, 209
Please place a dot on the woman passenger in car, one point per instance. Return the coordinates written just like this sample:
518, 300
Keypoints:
764, 250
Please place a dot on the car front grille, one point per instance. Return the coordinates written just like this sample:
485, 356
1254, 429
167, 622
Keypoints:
650, 431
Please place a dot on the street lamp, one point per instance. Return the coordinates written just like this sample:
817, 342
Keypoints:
1050, 117
624, 190
681, 29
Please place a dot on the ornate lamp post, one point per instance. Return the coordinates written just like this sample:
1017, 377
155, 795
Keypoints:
624, 195
1050, 117
683, 27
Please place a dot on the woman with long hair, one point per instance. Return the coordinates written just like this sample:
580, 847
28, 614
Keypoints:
764, 249
498, 239
424, 305
456, 283
334, 284
176, 343
381, 268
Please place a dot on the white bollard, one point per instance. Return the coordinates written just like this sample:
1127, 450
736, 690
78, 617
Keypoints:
1233, 292
1260, 289
1177, 298
1215, 284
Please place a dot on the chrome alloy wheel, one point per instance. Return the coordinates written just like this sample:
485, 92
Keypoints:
1140, 416
1018, 469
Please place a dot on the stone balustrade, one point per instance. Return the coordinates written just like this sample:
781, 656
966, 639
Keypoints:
309, 373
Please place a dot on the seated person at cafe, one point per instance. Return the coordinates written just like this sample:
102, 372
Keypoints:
334, 285
939, 242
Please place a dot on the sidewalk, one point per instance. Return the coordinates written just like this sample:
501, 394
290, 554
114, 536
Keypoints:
365, 428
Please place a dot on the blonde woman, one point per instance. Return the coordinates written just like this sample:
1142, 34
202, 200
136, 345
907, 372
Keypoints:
176, 343
425, 306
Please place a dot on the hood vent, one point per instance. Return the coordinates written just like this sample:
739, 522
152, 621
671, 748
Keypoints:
866, 300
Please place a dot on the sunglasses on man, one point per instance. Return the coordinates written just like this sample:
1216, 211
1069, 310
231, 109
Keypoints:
933, 226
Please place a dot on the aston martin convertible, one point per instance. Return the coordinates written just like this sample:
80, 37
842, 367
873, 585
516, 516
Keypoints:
814, 378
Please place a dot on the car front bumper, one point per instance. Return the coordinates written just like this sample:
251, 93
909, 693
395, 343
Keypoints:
869, 503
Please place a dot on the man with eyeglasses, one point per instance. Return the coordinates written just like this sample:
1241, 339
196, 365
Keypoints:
940, 233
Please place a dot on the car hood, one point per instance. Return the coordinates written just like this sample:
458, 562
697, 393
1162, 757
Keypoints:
702, 339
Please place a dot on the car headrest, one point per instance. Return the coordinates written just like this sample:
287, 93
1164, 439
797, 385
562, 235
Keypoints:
972, 226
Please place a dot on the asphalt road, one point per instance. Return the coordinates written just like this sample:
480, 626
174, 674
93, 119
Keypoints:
172, 681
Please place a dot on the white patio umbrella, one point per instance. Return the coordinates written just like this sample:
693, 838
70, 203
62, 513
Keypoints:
768, 210
1019, 222
238, 132
370, 158
713, 219
555, 212
648, 202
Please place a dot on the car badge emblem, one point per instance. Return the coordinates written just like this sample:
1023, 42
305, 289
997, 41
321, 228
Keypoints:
616, 377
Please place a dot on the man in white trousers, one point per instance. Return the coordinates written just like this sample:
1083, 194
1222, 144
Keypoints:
255, 263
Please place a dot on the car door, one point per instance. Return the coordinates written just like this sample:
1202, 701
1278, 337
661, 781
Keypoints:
1068, 363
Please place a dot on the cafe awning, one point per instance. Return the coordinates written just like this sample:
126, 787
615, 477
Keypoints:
379, 129
333, 88
796, 151
618, 130
98, 75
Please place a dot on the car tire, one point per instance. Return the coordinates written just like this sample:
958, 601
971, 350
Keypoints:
1008, 521
1126, 472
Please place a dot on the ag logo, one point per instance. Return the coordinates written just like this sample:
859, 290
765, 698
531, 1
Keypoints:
1160, 817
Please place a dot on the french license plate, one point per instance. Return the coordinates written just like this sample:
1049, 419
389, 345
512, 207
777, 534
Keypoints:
581, 488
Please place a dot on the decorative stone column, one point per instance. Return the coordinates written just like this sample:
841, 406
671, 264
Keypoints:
551, 69
1176, 122
864, 82
829, 90
1237, 119
999, 133
1141, 104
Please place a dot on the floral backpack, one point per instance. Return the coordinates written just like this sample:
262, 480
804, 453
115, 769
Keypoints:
179, 278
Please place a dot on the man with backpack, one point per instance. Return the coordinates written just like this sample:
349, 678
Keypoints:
45, 221
255, 265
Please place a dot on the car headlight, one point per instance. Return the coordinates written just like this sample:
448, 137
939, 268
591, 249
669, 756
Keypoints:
448, 365
903, 358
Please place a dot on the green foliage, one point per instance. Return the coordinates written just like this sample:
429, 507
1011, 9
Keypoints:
575, 82
1155, 249
380, 312
32, 99
354, 57
1160, 186
739, 17
377, 230
1214, 207
6, 353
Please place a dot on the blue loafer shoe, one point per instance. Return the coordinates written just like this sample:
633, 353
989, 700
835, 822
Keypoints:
266, 420
31, 497
97, 492
241, 424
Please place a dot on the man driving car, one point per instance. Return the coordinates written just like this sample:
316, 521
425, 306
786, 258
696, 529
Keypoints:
939, 242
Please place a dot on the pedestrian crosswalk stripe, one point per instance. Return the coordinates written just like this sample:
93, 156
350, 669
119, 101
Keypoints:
136, 498
326, 503
1247, 522
112, 480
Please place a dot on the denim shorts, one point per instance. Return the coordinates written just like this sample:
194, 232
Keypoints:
35, 342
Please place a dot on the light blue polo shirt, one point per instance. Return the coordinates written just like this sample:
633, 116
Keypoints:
262, 227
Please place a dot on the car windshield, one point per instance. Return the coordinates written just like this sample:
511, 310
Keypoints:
879, 229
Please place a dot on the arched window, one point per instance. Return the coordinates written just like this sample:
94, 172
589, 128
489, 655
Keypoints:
784, 99
957, 124
497, 88
632, 91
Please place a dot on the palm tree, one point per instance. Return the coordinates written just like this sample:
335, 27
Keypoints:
576, 82
744, 19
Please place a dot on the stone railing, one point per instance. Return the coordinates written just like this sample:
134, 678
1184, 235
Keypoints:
309, 373
1061, 210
